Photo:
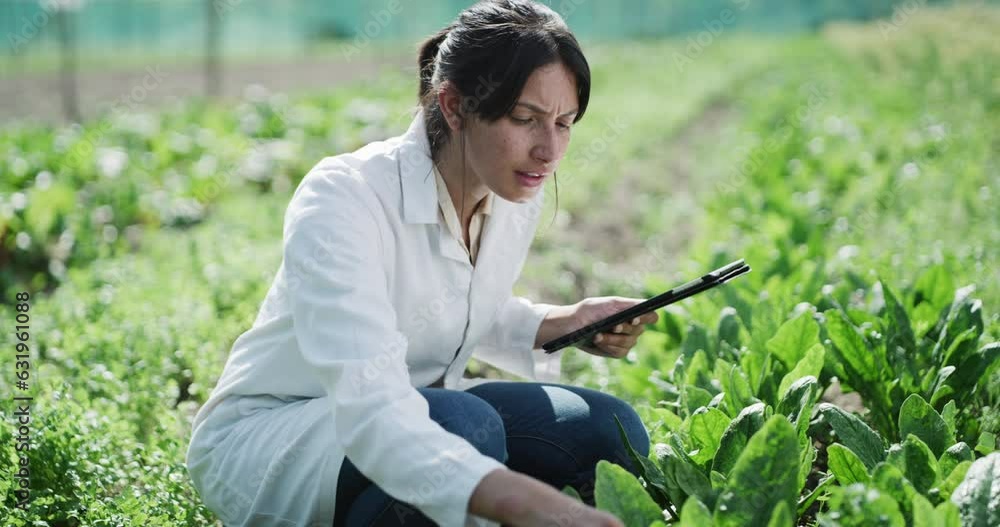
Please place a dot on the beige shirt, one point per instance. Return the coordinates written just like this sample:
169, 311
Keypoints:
448, 209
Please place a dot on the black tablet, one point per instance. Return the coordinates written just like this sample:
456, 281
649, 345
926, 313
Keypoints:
710, 280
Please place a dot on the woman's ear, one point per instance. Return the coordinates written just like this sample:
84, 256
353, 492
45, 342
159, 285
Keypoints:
451, 105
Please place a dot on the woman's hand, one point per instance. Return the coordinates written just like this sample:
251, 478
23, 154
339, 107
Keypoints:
518, 500
620, 339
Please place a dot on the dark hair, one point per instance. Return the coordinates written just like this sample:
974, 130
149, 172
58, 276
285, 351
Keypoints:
494, 46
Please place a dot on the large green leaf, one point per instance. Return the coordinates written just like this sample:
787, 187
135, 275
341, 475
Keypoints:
978, 497
695, 513
738, 392
920, 419
706, 428
797, 403
860, 506
851, 349
955, 454
764, 476
917, 462
900, 343
794, 338
934, 286
648, 470
617, 491
951, 482
853, 433
846, 466
811, 364
729, 328
890, 480
975, 367
926, 515
736, 436
958, 334
782, 516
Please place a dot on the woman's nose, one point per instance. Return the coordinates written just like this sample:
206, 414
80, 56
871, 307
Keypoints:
546, 147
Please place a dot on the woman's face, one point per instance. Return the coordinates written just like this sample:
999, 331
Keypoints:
531, 139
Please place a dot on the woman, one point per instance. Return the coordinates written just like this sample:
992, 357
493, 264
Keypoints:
345, 404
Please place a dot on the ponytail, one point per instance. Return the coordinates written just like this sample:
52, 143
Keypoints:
427, 57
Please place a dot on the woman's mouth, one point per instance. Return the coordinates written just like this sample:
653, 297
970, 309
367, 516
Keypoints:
529, 179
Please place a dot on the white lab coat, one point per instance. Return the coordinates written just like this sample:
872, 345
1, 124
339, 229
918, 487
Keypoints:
372, 299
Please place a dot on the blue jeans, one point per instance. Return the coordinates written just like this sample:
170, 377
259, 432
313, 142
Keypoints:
555, 433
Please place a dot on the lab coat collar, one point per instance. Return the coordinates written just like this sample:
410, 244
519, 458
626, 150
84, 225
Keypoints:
416, 174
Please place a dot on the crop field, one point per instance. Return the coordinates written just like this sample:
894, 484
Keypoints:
850, 379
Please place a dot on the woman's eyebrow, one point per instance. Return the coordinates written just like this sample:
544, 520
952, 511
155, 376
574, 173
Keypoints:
539, 109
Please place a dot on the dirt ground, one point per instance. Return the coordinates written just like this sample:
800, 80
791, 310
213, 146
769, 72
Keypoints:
37, 96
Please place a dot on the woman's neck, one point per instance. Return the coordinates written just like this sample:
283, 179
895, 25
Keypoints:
449, 164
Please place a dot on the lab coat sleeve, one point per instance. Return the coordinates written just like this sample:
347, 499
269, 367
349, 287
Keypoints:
509, 343
345, 328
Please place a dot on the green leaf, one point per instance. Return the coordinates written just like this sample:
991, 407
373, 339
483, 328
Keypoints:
978, 497
570, 491
853, 433
798, 399
617, 491
782, 516
667, 459
811, 364
698, 372
935, 286
955, 454
900, 343
648, 470
846, 466
987, 443
920, 419
706, 428
696, 398
975, 367
695, 513
729, 327
697, 339
738, 391
949, 413
671, 326
850, 348
923, 512
764, 476
794, 338
861, 506
915, 459
947, 487
736, 436
948, 515
890, 480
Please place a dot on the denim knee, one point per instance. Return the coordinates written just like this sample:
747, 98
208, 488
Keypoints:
635, 431
477, 422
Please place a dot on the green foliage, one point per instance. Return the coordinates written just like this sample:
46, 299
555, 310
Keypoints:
853, 160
